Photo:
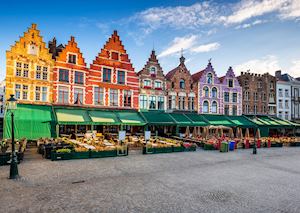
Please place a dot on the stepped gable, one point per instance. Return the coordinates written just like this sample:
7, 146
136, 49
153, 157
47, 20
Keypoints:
209, 69
71, 47
113, 46
152, 61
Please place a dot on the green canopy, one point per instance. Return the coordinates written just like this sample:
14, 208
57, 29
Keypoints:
181, 120
102, 117
158, 118
72, 116
130, 118
241, 121
197, 120
31, 122
218, 120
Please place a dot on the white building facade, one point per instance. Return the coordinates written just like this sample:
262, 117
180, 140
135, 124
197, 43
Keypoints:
283, 94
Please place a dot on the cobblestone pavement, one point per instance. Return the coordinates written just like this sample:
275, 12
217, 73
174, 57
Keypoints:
202, 181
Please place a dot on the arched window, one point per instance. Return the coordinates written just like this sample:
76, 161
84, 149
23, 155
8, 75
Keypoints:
205, 107
214, 107
182, 84
214, 92
209, 78
172, 85
152, 70
206, 92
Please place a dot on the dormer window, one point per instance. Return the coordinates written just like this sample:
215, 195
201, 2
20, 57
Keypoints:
32, 49
72, 59
209, 78
182, 84
230, 83
152, 70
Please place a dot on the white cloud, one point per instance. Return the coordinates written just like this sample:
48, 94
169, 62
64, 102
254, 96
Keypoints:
248, 25
248, 9
291, 10
206, 47
294, 70
265, 64
179, 43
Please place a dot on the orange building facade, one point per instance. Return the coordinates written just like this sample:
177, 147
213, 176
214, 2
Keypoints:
29, 67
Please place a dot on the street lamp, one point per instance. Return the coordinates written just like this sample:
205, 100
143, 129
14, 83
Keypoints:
254, 133
12, 106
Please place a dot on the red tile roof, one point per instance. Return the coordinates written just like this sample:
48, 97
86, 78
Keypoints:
197, 75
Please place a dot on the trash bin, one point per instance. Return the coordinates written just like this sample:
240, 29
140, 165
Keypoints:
231, 145
224, 147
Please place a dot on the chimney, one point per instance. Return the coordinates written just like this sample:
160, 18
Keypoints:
278, 74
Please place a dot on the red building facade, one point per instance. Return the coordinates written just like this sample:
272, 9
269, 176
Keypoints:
112, 80
70, 76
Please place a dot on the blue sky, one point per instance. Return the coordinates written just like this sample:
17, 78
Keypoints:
260, 35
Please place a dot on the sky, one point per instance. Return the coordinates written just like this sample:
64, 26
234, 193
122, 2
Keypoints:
256, 35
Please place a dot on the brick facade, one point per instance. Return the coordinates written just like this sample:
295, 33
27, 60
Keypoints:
259, 93
181, 90
152, 85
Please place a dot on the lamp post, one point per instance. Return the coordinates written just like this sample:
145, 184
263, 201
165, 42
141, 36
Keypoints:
11, 106
254, 132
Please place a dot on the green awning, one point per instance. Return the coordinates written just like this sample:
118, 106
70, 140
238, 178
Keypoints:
196, 119
268, 121
158, 118
130, 118
181, 120
218, 120
72, 116
102, 117
241, 121
284, 122
31, 122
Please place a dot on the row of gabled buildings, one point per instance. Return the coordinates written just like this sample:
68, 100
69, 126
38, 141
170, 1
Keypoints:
59, 75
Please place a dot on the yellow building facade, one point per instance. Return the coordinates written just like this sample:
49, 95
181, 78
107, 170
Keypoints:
29, 67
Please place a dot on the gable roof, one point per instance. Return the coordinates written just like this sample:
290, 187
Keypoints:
196, 76
181, 66
152, 59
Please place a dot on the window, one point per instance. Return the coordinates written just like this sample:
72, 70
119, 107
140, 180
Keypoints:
45, 73
264, 109
280, 104
246, 96
143, 101
25, 92
209, 78
79, 77
106, 75
259, 84
286, 116
286, 93
271, 85
181, 102
160, 102
255, 95
98, 96
230, 83
181, 84
286, 104
264, 97
234, 110
115, 56
205, 107
226, 110
72, 59
63, 75
18, 69
255, 109
191, 103
147, 83
22, 67
280, 93
121, 77
247, 109
127, 98
113, 97
157, 84
280, 114
152, 102
44, 93
172, 85
214, 106
226, 96
246, 83
63, 95
18, 91
206, 92
38, 72
172, 101
234, 97
214, 92
78, 95
152, 70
